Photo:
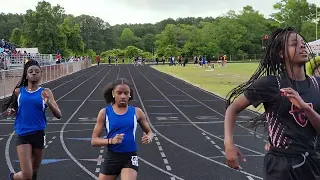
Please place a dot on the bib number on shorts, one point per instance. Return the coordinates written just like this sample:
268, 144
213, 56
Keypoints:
134, 160
44, 141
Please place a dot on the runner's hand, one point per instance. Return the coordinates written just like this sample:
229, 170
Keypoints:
267, 146
10, 111
232, 154
45, 96
294, 98
146, 139
117, 139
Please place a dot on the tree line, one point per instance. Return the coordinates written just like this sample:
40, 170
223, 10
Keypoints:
49, 28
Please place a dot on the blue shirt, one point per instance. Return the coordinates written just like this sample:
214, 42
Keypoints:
31, 115
118, 124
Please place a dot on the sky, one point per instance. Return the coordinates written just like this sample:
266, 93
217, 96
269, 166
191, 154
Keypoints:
145, 11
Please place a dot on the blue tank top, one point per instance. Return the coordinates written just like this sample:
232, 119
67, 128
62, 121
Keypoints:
31, 115
117, 124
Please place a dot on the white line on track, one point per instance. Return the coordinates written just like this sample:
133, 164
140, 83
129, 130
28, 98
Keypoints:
102, 148
212, 142
165, 160
67, 122
217, 162
47, 145
250, 131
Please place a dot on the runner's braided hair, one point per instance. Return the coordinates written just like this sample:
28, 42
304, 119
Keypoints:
272, 64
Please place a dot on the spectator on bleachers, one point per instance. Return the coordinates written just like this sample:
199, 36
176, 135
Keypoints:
6, 48
2, 64
58, 59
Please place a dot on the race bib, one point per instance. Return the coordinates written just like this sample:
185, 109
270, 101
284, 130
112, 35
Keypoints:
44, 140
134, 160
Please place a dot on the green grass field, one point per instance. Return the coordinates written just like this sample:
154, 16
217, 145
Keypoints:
220, 81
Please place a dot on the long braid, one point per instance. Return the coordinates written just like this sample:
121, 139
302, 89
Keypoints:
272, 64
12, 103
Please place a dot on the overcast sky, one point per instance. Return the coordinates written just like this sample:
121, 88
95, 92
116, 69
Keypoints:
145, 11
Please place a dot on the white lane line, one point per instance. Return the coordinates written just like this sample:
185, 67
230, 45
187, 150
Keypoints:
49, 142
178, 145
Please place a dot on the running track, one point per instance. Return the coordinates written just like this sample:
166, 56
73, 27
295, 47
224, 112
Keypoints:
187, 122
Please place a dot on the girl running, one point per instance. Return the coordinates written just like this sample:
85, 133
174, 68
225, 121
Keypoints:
291, 109
29, 101
312, 68
120, 122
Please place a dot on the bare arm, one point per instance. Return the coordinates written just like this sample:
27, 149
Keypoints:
143, 122
96, 141
13, 107
52, 104
232, 152
231, 115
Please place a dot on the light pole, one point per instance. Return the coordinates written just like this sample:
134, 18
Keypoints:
317, 20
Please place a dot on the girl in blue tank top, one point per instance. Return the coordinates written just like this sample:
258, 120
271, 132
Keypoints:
120, 120
28, 103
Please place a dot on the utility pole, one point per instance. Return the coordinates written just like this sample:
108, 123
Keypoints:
317, 20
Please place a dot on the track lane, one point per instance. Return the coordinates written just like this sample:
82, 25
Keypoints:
198, 154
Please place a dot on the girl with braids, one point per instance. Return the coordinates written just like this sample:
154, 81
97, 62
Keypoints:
312, 68
120, 122
292, 108
28, 103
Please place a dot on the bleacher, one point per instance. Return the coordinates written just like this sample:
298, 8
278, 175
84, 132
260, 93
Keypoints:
13, 57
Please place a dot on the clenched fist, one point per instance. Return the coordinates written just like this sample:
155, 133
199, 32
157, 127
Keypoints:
117, 139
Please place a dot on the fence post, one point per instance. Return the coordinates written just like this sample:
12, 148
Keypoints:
5, 83
46, 73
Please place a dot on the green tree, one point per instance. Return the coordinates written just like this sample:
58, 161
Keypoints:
16, 36
127, 38
148, 41
41, 27
132, 51
294, 12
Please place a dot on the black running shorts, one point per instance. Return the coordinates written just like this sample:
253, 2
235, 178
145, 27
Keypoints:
291, 167
36, 139
114, 162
